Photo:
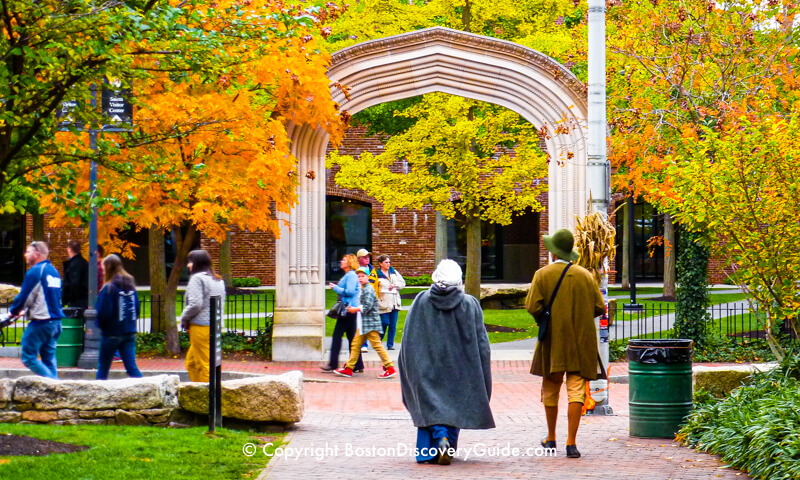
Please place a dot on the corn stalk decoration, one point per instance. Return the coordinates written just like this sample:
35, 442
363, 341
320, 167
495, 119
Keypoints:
594, 240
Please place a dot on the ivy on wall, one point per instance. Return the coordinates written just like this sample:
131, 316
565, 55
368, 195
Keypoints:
691, 313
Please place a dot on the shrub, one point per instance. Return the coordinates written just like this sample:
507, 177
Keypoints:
617, 349
421, 281
755, 428
154, 342
261, 344
719, 349
246, 282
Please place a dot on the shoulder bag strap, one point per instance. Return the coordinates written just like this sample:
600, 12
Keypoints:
558, 285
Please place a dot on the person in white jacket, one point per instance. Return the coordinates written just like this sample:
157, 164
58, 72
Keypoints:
389, 297
196, 316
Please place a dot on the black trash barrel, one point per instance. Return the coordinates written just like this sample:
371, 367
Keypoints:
660, 390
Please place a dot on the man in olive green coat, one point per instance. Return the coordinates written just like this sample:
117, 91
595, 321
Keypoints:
570, 345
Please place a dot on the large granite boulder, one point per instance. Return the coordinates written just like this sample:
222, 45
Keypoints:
160, 391
7, 293
721, 380
500, 296
267, 398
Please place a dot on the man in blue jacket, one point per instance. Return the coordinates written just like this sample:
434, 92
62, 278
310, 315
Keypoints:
41, 297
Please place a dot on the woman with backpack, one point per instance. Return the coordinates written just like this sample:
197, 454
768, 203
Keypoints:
117, 309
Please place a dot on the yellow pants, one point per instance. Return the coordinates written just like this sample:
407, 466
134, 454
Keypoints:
375, 340
551, 385
197, 357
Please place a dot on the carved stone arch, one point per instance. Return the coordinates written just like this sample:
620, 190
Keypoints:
437, 59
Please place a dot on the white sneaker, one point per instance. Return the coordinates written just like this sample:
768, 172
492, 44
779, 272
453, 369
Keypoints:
364, 349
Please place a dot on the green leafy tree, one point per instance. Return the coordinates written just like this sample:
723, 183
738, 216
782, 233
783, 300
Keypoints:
745, 196
457, 162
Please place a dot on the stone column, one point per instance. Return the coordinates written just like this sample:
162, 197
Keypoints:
299, 325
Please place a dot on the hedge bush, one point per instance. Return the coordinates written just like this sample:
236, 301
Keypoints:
246, 282
421, 281
755, 429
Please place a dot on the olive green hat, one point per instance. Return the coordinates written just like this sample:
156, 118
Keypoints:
561, 245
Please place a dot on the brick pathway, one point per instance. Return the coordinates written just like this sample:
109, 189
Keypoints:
365, 412
344, 415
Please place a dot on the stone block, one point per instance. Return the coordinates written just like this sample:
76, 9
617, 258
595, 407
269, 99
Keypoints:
149, 412
80, 421
97, 414
66, 414
159, 391
6, 390
10, 417
504, 296
39, 416
267, 398
722, 380
23, 406
7, 293
130, 418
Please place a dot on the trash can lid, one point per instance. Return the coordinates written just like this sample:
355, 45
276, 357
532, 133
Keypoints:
668, 350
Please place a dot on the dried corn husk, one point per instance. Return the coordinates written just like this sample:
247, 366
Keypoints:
594, 240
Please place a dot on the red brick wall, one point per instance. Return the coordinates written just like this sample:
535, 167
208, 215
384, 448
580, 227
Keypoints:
408, 236
57, 239
252, 254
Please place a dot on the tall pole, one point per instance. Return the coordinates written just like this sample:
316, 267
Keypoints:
633, 306
93, 223
91, 341
598, 170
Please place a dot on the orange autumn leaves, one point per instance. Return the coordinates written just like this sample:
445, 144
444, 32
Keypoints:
214, 151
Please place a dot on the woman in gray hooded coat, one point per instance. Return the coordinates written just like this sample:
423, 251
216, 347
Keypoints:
445, 366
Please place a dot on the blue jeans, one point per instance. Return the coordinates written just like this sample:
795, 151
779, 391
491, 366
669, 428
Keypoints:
39, 340
127, 350
389, 322
428, 439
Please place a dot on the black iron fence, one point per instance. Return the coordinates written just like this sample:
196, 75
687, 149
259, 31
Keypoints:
735, 321
243, 314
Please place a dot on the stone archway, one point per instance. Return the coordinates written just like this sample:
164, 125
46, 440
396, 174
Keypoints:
437, 59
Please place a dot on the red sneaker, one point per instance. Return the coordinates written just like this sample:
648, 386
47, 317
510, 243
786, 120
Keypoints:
388, 372
344, 372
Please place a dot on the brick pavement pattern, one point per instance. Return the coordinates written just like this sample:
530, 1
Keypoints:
366, 412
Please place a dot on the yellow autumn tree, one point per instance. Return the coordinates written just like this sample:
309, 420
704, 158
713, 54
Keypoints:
459, 163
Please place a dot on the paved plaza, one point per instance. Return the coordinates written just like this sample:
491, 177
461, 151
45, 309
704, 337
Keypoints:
367, 413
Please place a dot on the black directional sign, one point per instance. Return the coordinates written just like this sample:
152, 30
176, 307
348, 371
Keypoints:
117, 107
64, 113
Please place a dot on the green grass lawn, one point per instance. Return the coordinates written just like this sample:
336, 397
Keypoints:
506, 318
120, 453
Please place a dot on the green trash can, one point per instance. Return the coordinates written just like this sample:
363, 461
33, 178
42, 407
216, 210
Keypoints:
70, 343
660, 386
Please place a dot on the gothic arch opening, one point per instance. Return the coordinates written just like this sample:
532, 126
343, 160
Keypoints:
437, 59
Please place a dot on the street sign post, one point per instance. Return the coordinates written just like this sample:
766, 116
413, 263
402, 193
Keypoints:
116, 106
215, 365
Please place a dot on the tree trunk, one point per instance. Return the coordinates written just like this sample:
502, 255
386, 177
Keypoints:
441, 239
183, 245
670, 256
225, 265
626, 238
466, 16
38, 226
158, 280
473, 280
